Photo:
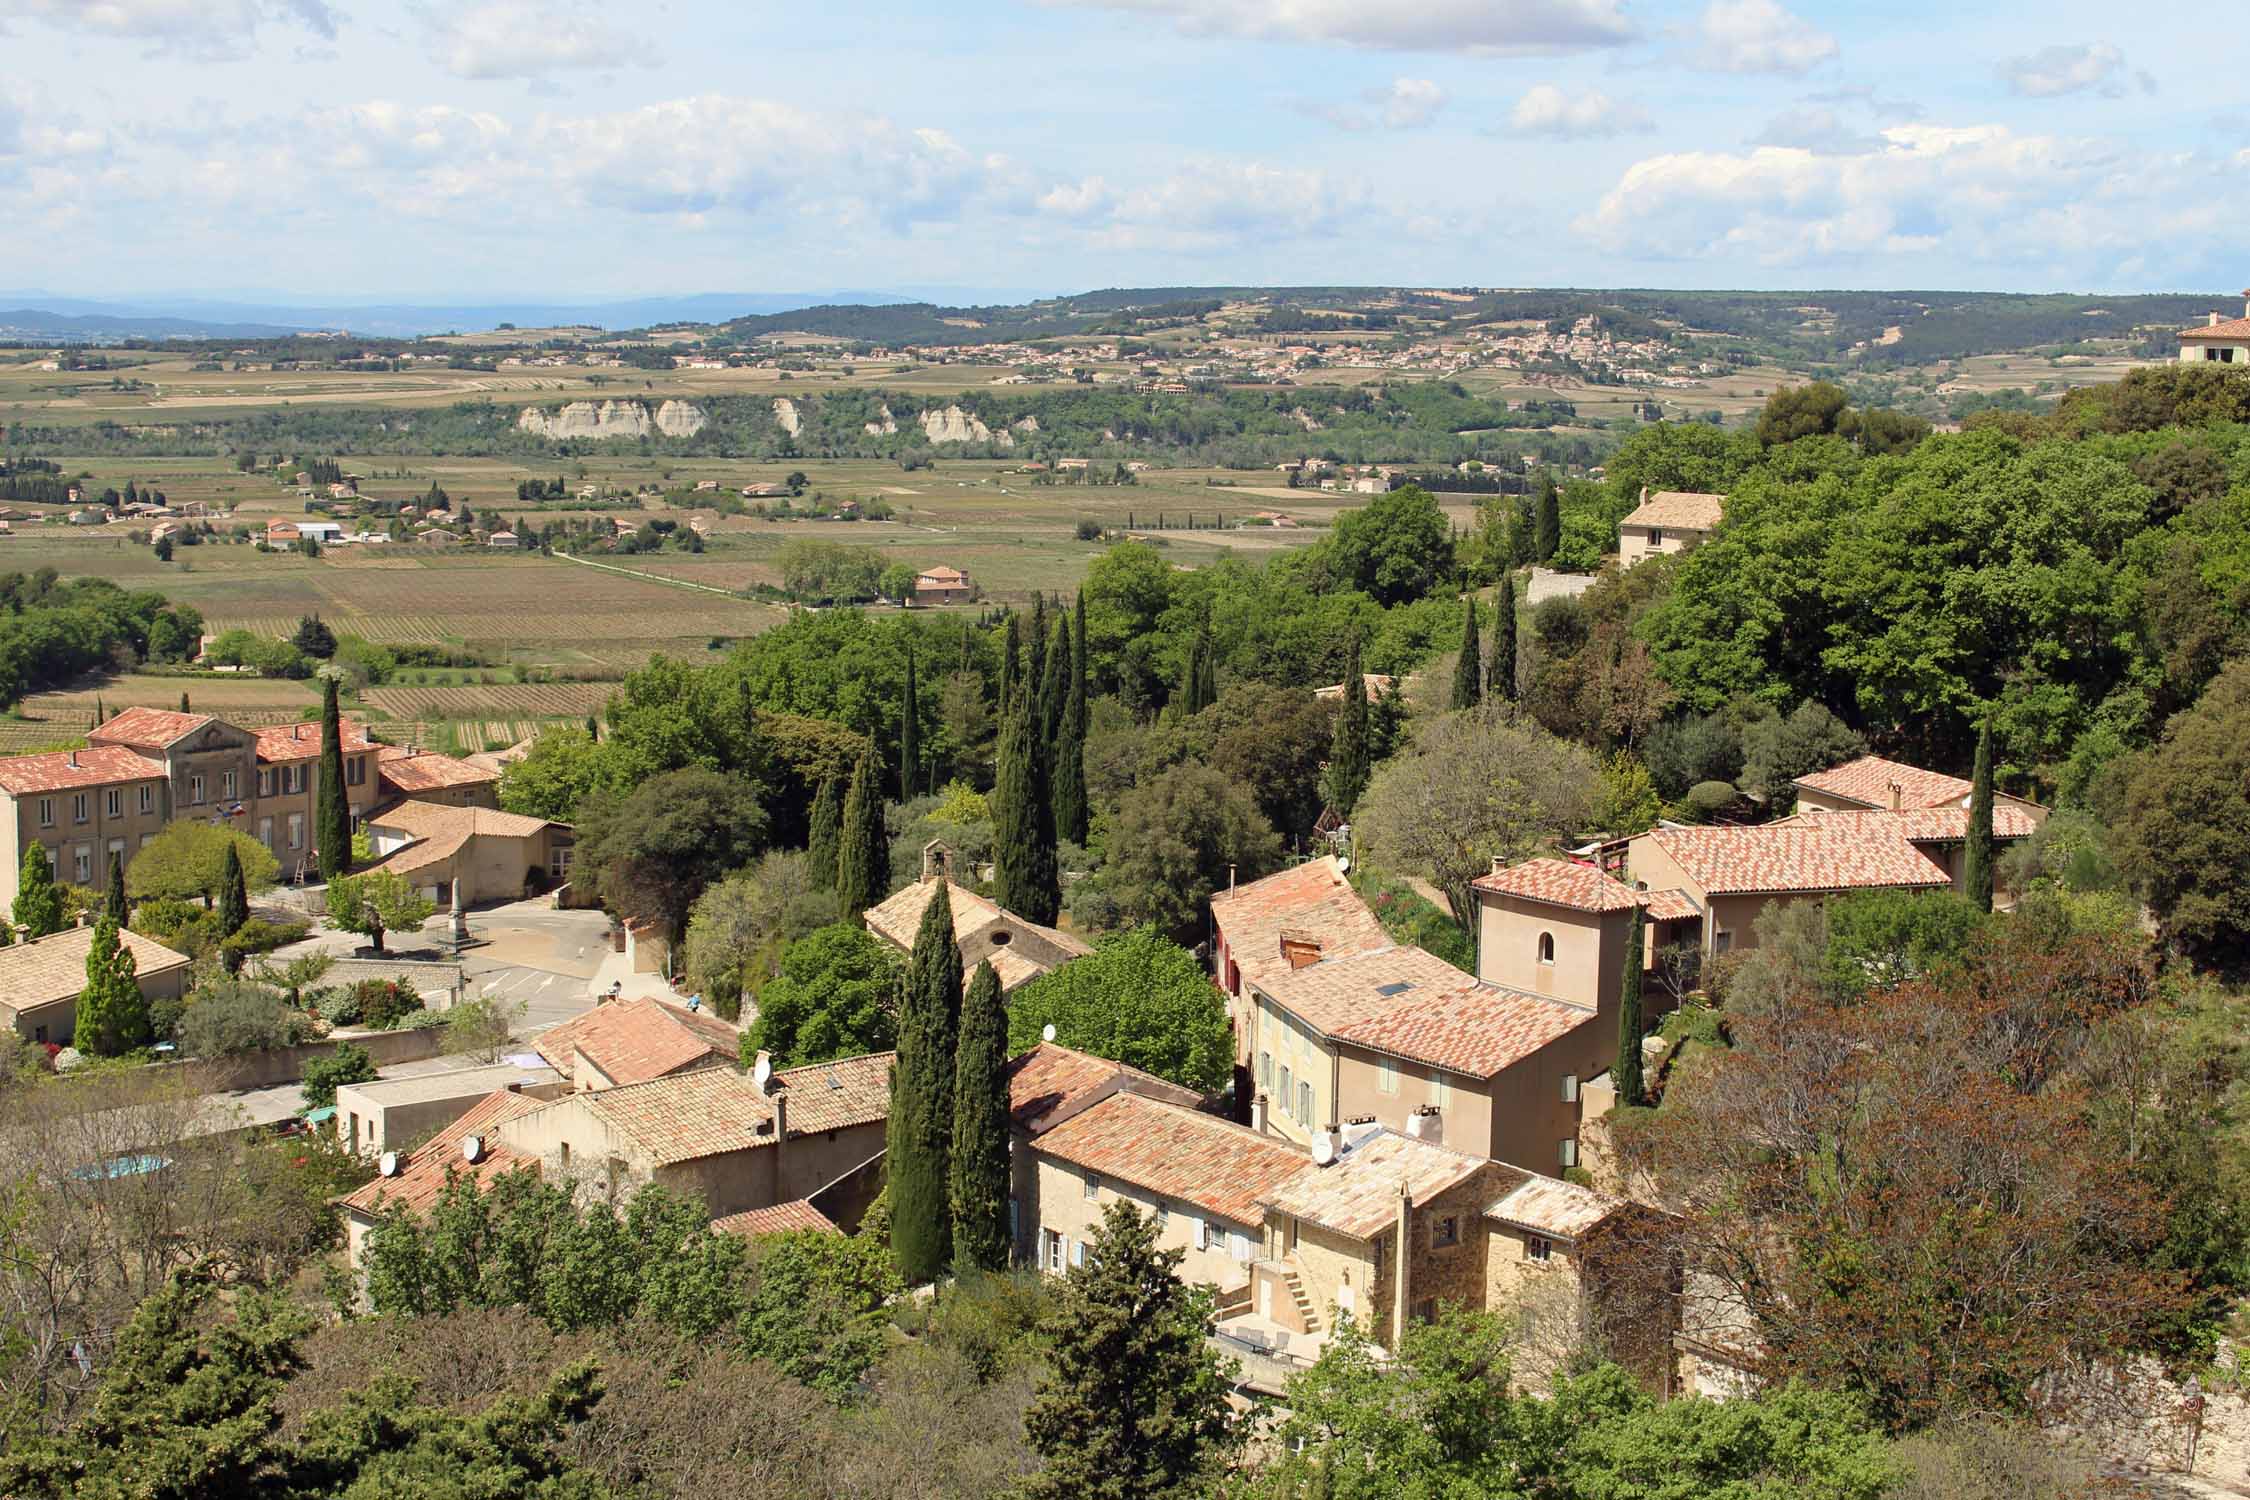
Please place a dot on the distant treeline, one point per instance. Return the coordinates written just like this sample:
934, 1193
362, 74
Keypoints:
53, 629
34, 481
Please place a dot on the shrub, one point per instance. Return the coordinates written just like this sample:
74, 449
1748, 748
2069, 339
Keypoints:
1707, 799
384, 1003
261, 936
235, 1016
347, 1064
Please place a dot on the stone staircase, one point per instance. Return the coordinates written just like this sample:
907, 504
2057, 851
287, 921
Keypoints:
1305, 1309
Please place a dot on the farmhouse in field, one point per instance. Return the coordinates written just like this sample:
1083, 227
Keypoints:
943, 585
1667, 522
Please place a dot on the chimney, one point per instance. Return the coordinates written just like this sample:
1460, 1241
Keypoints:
780, 1098
1644, 494
74, 760
2214, 320
1427, 1124
1898, 796
1258, 1113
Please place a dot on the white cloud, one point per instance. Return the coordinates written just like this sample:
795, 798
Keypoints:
1818, 129
1758, 36
2097, 67
1403, 104
1207, 201
528, 39
1547, 110
207, 29
1476, 26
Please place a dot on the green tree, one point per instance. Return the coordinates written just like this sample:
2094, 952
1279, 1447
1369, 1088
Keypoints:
1778, 750
1140, 999
234, 893
348, 1064
863, 855
979, 1149
187, 860
112, 1012
1500, 676
818, 1307
1395, 549
910, 736
2185, 833
1135, 1402
114, 905
1797, 411
377, 903
332, 817
1173, 841
1547, 526
827, 831
1976, 853
921, 1120
1631, 1088
1468, 669
1070, 744
1348, 760
38, 911
1025, 879
314, 638
739, 929
565, 766
837, 995
654, 850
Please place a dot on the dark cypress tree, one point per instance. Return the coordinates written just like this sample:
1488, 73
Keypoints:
1011, 665
1035, 646
863, 854
1191, 676
101, 714
1070, 751
1023, 843
1630, 1087
1054, 691
1468, 672
234, 895
910, 736
921, 1124
1500, 674
184, 704
827, 829
1548, 535
1207, 662
1976, 857
979, 1147
113, 905
1347, 751
112, 1012
332, 818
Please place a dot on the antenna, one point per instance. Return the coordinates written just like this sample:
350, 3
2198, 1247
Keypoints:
388, 1166
1047, 1032
472, 1147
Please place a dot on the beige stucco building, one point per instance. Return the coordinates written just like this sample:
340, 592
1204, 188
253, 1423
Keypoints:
40, 981
396, 1114
1668, 522
470, 854
2221, 340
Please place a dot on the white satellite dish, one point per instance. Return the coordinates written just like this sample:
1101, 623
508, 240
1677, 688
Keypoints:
1323, 1149
472, 1147
762, 1074
1343, 862
1047, 1032
389, 1164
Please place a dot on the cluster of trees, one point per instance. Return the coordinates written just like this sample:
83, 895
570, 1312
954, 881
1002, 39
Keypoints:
53, 629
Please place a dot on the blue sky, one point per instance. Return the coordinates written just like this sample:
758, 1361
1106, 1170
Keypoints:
535, 148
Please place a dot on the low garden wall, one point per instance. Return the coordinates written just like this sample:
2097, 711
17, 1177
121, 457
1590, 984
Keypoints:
257, 1070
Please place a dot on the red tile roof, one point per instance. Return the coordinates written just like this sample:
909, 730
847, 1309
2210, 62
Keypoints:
1560, 1210
1050, 1084
1796, 856
714, 1111
838, 1095
2225, 328
633, 1041
1868, 781
409, 771
1558, 882
1214, 1164
1414, 1005
1311, 902
147, 728
779, 1219
1922, 825
1358, 1193
429, 1166
286, 742
1690, 510
1670, 906
64, 770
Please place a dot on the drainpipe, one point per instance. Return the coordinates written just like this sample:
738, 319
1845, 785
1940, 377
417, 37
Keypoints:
1399, 1275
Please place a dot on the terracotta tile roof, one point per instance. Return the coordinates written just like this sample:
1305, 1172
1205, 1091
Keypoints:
1357, 1194
1670, 906
779, 1219
2225, 328
1922, 825
1559, 882
837, 1095
288, 742
1199, 1159
54, 967
409, 771
1415, 1005
1868, 780
1311, 902
147, 728
423, 1174
421, 854
1795, 856
942, 575
633, 1041
442, 820
68, 770
1691, 510
1559, 1210
899, 919
1051, 1083
713, 1111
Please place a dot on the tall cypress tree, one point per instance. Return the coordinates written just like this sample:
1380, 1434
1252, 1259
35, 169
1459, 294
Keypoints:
1500, 675
39, 907
234, 894
921, 1124
1347, 751
1054, 690
1549, 527
1035, 645
1976, 856
112, 1014
1011, 665
1207, 661
1468, 672
1023, 844
863, 852
1191, 677
113, 905
332, 817
1631, 1089
827, 831
910, 736
979, 1160
1070, 750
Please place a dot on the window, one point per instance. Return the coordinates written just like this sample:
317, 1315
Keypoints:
1288, 1098
1078, 1252
83, 857
265, 781
1199, 1232
1441, 1093
296, 830
226, 785
1537, 1248
1570, 1088
1386, 1076
78, 807
265, 832
148, 799
1656, 536
558, 861
195, 791
113, 803
1444, 1232
1425, 1311
1721, 941
46, 812
565, 1154
1265, 1071
1238, 1245
1163, 1217
355, 771
1093, 1187
1050, 1250
1546, 947
1568, 1154
147, 839
1304, 1102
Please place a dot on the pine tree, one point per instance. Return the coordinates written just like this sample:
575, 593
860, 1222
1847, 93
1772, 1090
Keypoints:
1070, 748
332, 817
1500, 674
1035, 646
112, 1014
910, 736
1630, 1087
1976, 857
863, 853
113, 903
1347, 751
1468, 672
1548, 535
234, 895
39, 906
921, 1124
1135, 1401
1023, 844
979, 1148
827, 828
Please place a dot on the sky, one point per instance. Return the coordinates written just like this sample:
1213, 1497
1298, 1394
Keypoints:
457, 150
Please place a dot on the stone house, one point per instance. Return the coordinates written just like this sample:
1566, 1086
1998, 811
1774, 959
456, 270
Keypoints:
2221, 340
40, 981
633, 1041
1668, 522
943, 585
1018, 949
465, 855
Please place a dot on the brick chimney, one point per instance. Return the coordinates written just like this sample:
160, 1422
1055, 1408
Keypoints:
1898, 796
74, 760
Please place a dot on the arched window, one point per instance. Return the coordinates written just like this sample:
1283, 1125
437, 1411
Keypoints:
1546, 947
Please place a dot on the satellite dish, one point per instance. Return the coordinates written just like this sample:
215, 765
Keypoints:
1343, 862
762, 1074
1323, 1149
1047, 1032
472, 1147
389, 1164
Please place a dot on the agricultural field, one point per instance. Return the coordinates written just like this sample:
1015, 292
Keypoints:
511, 701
